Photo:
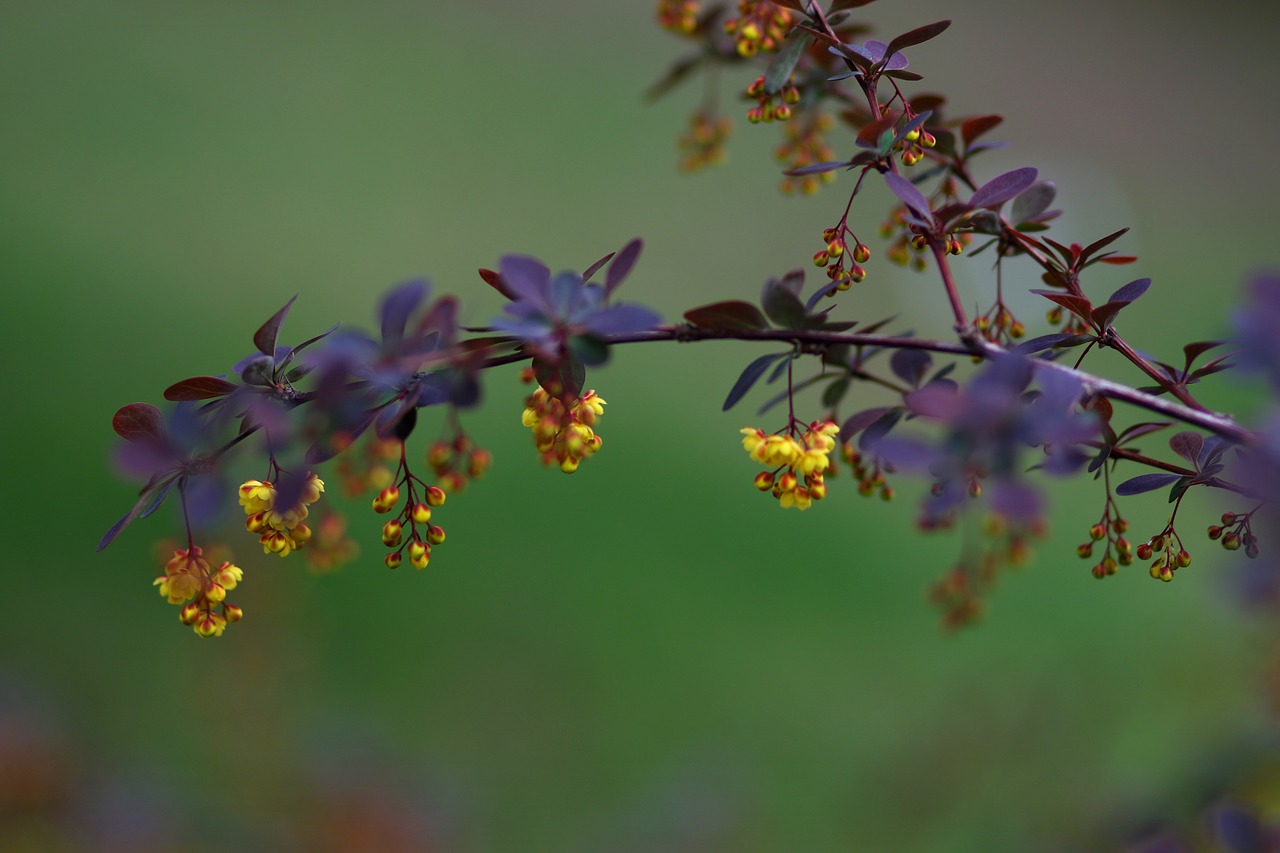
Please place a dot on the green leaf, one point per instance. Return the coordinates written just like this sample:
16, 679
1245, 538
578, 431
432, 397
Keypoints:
779, 71
782, 306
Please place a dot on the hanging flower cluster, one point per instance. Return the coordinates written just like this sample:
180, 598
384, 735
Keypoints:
799, 463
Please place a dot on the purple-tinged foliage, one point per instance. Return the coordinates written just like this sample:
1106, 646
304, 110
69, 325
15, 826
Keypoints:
987, 425
1257, 328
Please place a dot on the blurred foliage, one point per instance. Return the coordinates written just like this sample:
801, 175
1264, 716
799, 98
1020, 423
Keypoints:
643, 656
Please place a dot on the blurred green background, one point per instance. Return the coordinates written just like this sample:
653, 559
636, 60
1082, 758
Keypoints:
648, 655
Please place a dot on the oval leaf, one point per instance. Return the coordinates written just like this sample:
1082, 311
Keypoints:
909, 195
138, 422
1033, 201
1131, 291
1187, 445
621, 266
975, 127
733, 314
779, 70
199, 388
265, 338
749, 377
1001, 188
1146, 483
917, 36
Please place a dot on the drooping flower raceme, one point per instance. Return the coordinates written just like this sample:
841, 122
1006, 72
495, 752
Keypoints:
281, 531
799, 463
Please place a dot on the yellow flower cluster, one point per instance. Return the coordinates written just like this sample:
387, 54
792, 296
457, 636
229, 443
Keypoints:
679, 16
563, 434
279, 532
802, 462
760, 26
190, 581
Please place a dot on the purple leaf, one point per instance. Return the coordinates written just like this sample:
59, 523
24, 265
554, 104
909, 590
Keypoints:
909, 195
1131, 291
1045, 342
1146, 483
265, 338
527, 278
859, 421
622, 319
397, 305
782, 306
1187, 445
917, 36
749, 376
138, 422
910, 365
1001, 188
621, 266
1033, 201
880, 428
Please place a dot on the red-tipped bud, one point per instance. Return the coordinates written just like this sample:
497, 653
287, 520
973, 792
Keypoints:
386, 499
1144, 551
435, 534
421, 513
1215, 532
232, 612
764, 481
392, 532
435, 496
1097, 532
861, 253
392, 560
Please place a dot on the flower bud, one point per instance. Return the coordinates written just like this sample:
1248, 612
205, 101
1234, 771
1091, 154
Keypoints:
392, 560
392, 532
435, 534
435, 496
386, 499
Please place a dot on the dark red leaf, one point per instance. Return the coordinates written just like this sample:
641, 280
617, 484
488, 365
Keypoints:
199, 388
265, 338
975, 127
917, 36
561, 379
1078, 305
869, 136
594, 268
1199, 348
138, 422
1102, 243
494, 280
1103, 315
727, 315
1132, 432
